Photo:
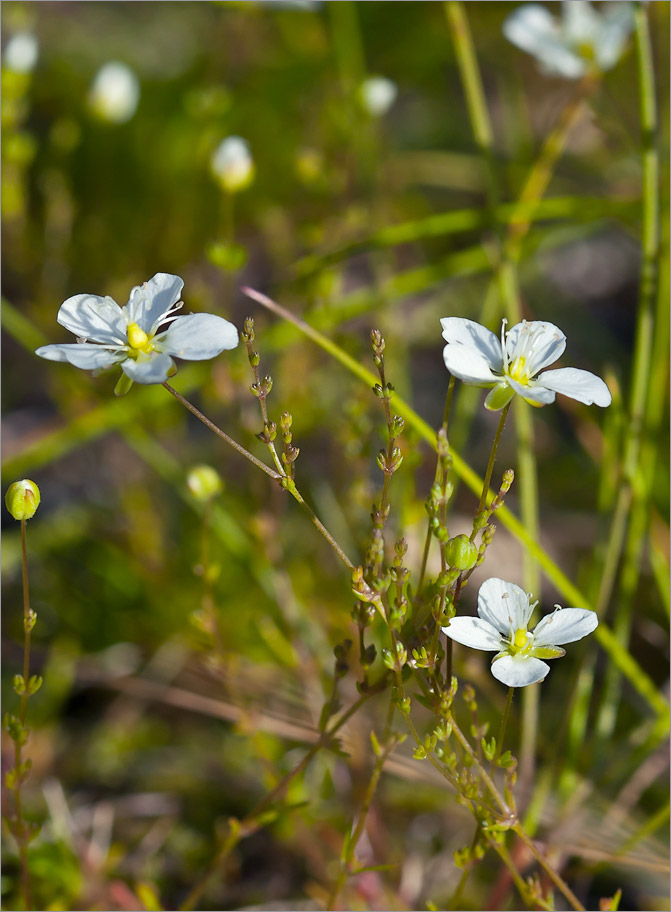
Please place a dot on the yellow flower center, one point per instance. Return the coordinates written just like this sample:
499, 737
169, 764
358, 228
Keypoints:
138, 338
519, 371
520, 638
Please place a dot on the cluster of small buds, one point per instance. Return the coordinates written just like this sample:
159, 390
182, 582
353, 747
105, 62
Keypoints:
290, 452
483, 517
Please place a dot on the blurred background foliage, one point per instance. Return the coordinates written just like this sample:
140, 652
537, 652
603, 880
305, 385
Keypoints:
146, 735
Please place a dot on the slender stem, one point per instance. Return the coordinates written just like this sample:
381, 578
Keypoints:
556, 879
492, 459
20, 832
455, 902
353, 841
504, 725
250, 823
630, 492
293, 490
286, 482
217, 430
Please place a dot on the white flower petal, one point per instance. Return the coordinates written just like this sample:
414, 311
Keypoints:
85, 355
152, 368
474, 632
503, 605
578, 384
474, 336
197, 337
148, 303
617, 23
581, 24
530, 27
566, 625
534, 392
469, 365
92, 317
518, 671
540, 343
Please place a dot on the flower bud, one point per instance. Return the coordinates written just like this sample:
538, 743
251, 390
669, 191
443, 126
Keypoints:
204, 482
23, 499
461, 553
232, 164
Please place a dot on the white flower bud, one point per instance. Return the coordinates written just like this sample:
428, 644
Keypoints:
377, 95
21, 53
232, 164
115, 93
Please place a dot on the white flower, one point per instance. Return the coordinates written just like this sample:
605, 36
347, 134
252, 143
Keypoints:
377, 95
115, 92
504, 611
130, 336
232, 164
581, 41
20, 54
511, 365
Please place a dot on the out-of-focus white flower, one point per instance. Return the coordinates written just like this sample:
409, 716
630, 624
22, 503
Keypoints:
232, 164
115, 92
21, 52
504, 612
141, 337
513, 363
582, 40
377, 94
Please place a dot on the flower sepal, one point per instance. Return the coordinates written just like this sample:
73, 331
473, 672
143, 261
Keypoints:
547, 652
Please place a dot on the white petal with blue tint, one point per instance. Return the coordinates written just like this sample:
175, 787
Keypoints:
151, 301
566, 625
474, 632
618, 22
92, 317
577, 384
538, 342
457, 330
503, 605
151, 368
85, 355
519, 671
197, 337
531, 27
535, 391
469, 365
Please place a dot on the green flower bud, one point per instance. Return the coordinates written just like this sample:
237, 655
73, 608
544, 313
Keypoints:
204, 482
23, 499
461, 553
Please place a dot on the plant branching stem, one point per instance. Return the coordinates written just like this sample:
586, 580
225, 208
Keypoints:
251, 823
284, 479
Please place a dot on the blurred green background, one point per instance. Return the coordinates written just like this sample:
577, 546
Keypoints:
144, 740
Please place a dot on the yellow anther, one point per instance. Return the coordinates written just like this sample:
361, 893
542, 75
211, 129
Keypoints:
137, 337
520, 638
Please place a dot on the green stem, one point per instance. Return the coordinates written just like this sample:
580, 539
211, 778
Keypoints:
352, 842
643, 345
455, 902
217, 430
250, 823
492, 459
20, 832
284, 479
427, 542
